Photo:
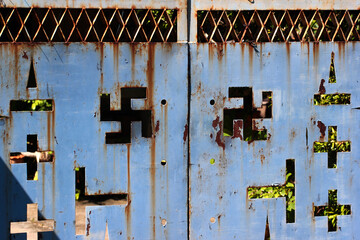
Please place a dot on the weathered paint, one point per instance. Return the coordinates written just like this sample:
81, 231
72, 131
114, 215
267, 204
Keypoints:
74, 76
164, 200
293, 72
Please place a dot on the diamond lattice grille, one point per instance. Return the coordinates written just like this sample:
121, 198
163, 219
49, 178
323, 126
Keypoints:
87, 25
278, 25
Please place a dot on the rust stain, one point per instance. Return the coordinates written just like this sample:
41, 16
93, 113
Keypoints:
157, 127
251, 58
186, 130
322, 129
220, 51
211, 135
216, 122
288, 50
322, 89
218, 139
150, 73
316, 54
238, 125
292, 134
88, 226
262, 159
116, 58
128, 207
25, 56
16, 70
211, 52
269, 136
150, 80
198, 89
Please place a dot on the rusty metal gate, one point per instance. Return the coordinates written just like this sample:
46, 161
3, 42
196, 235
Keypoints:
179, 119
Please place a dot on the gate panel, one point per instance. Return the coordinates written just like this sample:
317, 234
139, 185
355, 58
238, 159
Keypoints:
94, 88
253, 115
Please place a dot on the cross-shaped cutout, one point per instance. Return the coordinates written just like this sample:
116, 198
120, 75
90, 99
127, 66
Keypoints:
32, 226
332, 147
332, 210
126, 115
247, 113
31, 157
286, 190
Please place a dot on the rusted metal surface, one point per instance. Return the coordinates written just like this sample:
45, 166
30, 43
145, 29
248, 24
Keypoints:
174, 135
224, 167
74, 76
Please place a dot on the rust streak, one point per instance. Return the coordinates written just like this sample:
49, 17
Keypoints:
322, 128
25, 56
157, 127
186, 130
216, 122
150, 79
128, 207
218, 139
262, 159
322, 89
238, 125
115, 59
88, 226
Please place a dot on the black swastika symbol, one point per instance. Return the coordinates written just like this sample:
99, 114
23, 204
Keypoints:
126, 115
247, 113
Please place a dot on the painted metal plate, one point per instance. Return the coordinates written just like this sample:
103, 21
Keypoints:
222, 168
75, 76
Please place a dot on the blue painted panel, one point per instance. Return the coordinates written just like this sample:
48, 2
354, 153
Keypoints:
219, 205
74, 76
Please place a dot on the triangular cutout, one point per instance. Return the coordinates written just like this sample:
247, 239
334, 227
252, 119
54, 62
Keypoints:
106, 232
332, 76
267, 229
32, 79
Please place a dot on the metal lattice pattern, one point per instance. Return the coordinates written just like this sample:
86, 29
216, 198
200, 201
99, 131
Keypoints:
87, 25
279, 25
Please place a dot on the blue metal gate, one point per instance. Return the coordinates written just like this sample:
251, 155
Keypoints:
179, 120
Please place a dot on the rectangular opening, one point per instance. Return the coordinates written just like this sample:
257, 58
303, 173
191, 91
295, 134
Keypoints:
332, 99
266, 105
36, 105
